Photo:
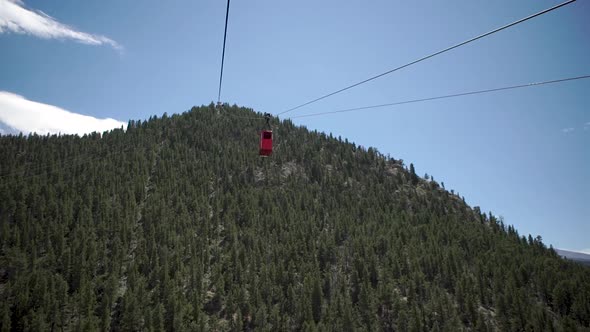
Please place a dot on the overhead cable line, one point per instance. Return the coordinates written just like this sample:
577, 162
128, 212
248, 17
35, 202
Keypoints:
223, 53
428, 56
444, 97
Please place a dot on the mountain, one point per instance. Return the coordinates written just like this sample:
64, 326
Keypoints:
574, 256
177, 224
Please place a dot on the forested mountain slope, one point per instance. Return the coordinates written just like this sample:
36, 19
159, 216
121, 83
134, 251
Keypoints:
176, 224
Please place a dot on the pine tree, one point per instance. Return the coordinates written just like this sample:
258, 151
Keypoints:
316, 300
5, 324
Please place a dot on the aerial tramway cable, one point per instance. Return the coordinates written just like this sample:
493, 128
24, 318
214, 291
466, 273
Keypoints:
223, 54
428, 56
412, 101
444, 96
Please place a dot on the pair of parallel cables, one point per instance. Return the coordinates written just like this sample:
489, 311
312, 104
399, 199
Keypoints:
410, 64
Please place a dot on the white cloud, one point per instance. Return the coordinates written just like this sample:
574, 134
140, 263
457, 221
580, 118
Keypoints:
30, 116
567, 130
586, 125
14, 17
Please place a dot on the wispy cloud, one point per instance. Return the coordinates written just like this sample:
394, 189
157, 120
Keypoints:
14, 17
567, 130
30, 116
586, 125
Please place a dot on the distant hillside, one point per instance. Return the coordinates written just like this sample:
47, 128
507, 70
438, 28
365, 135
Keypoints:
575, 256
178, 225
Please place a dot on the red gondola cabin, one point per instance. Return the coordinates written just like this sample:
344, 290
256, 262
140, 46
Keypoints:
265, 142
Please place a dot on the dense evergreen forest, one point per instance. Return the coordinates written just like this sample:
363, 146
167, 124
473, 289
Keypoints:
176, 224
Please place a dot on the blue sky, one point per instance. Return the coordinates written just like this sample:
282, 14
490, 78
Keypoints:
523, 154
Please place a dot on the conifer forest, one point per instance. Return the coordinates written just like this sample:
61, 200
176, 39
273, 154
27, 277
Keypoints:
176, 224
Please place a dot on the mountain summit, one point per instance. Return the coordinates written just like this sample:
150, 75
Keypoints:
177, 224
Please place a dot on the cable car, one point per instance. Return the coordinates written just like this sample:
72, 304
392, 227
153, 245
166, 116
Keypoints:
265, 143
266, 138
